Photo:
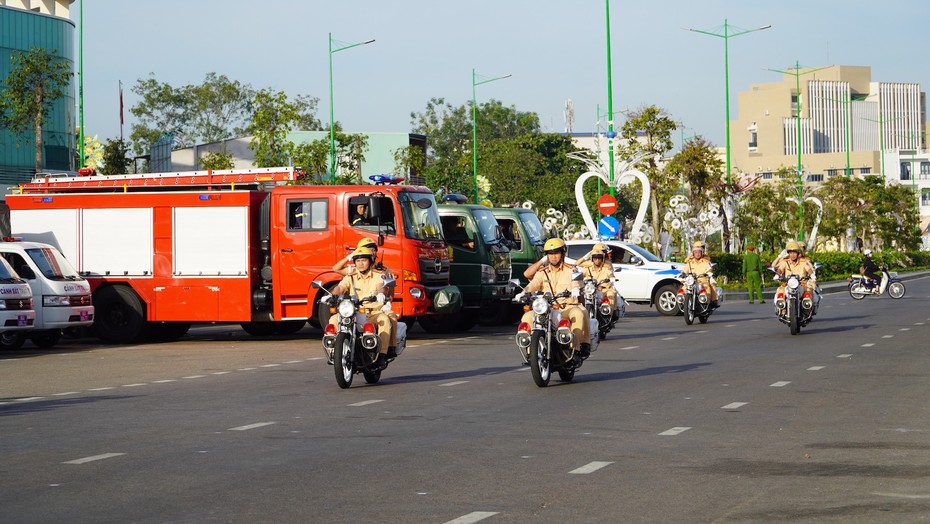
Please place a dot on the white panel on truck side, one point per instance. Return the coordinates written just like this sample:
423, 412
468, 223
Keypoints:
211, 241
117, 241
58, 227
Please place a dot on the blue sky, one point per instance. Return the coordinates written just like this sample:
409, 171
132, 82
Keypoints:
555, 50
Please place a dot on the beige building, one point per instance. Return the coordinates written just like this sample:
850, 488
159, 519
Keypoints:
843, 115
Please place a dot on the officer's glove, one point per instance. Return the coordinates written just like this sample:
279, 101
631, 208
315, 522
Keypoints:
386, 308
576, 292
380, 297
349, 258
328, 299
544, 260
587, 256
519, 297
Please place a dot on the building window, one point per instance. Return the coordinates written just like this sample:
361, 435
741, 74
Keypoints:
865, 170
815, 178
831, 173
925, 168
753, 140
905, 171
767, 175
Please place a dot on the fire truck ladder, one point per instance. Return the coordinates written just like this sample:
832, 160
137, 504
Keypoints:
210, 179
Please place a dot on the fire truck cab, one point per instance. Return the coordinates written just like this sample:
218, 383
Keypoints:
164, 250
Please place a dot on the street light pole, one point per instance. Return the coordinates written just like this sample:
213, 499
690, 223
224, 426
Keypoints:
332, 133
797, 116
474, 124
611, 134
726, 36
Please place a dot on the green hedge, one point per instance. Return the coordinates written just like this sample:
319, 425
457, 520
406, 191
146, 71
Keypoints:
835, 265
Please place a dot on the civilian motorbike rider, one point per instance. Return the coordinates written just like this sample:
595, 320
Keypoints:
556, 277
699, 264
794, 263
597, 266
870, 268
365, 281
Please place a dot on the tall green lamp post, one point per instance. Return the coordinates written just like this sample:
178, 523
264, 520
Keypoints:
796, 72
474, 124
340, 46
726, 36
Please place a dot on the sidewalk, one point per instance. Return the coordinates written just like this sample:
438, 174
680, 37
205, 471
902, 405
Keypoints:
832, 286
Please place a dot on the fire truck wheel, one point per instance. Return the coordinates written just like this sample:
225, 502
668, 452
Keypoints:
119, 315
467, 319
289, 327
11, 340
46, 339
437, 324
259, 329
410, 321
168, 331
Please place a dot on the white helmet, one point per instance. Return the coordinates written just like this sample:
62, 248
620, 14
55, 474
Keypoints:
867, 252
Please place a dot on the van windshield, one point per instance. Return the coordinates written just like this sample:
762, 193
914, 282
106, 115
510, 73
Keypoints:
487, 225
534, 228
6, 272
421, 219
52, 264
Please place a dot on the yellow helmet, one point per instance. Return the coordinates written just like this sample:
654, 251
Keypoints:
698, 245
554, 244
599, 249
365, 241
792, 246
363, 252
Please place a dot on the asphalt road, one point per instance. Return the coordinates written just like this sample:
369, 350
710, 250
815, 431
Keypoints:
732, 421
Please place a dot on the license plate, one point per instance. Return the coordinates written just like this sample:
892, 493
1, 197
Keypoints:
84, 315
21, 320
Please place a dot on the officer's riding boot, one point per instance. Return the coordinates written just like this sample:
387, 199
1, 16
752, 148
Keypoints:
585, 350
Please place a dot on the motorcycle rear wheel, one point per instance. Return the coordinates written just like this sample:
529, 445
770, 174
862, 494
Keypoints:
896, 289
344, 360
857, 291
540, 366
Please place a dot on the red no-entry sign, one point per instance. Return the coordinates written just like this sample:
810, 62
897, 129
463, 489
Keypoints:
607, 204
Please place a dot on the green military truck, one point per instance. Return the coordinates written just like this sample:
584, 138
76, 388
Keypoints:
480, 265
524, 235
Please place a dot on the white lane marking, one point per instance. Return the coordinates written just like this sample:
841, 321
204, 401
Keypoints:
137, 384
270, 365
365, 403
66, 393
734, 405
102, 389
474, 516
780, 384
756, 320
675, 431
815, 368
321, 358
629, 348
246, 369
844, 355
252, 426
701, 331
730, 325
27, 399
95, 457
918, 323
3, 403
219, 372
164, 381
292, 362
867, 345
669, 338
456, 383
901, 495
195, 376
887, 336
904, 329
590, 467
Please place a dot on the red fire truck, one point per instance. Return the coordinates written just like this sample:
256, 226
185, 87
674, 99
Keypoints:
163, 250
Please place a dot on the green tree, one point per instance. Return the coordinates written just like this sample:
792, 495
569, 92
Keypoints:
273, 117
116, 159
217, 160
648, 131
409, 161
37, 79
762, 214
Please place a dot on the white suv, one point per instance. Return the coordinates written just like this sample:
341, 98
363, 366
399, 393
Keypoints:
642, 278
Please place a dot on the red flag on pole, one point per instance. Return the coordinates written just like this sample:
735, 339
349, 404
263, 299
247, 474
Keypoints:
121, 102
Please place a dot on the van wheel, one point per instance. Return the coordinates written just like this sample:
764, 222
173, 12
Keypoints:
46, 339
119, 316
11, 340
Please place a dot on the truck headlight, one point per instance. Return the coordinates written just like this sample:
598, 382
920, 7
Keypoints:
416, 292
56, 301
487, 274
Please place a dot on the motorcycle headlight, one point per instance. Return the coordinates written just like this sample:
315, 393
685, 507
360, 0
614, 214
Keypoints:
590, 288
793, 283
540, 306
346, 308
689, 280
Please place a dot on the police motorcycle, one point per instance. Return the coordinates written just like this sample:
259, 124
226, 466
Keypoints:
598, 306
795, 306
352, 346
694, 297
861, 286
548, 337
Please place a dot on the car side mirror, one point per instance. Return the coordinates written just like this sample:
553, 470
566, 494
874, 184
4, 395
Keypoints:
636, 260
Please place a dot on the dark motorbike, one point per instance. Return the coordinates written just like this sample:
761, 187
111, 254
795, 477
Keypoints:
694, 298
861, 286
352, 345
598, 306
795, 305
547, 338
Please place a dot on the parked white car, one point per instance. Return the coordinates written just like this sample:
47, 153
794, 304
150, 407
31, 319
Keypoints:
642, 278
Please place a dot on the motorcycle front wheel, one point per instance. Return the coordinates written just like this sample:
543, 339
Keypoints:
793, 321
689, 309
371, 376
344, 360
896, 289
540, 367
857, 291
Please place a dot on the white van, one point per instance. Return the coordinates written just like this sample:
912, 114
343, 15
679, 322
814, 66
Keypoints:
16, 311
61, 296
